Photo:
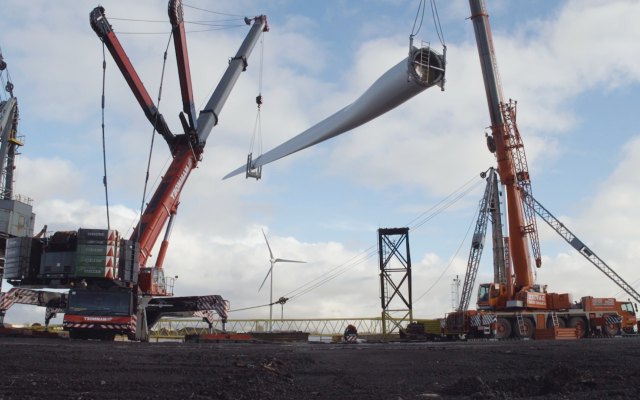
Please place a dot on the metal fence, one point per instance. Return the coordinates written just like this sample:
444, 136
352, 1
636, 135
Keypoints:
178, 327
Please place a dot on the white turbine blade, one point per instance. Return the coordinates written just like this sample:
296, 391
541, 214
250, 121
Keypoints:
283, 260
393, 88
269, 247
265, 278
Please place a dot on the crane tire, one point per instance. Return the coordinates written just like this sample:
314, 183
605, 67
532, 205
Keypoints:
580, 324
529, 328
612, 329
503, 328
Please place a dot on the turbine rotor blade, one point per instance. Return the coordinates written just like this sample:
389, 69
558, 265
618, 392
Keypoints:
265, 278
423, 69
269, 247
283, 260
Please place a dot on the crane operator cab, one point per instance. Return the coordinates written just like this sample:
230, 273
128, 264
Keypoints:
152, 281
628, 311
491, 295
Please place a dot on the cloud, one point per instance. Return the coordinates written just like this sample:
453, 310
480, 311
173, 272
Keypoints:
43, 178
410, 158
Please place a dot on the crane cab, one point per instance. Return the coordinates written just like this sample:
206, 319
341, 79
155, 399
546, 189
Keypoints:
491, 296
152, 281
628, 311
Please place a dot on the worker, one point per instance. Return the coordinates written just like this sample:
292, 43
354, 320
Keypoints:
350, 334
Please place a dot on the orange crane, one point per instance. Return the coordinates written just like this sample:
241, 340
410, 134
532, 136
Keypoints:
506, 142
519, 306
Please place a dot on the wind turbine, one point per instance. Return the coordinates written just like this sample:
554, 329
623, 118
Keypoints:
272, 261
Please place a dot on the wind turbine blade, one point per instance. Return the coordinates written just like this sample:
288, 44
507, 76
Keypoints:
269, 247
421, 70
265, 278
283, 260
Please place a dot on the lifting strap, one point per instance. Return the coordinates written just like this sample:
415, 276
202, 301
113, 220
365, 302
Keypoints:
256, 138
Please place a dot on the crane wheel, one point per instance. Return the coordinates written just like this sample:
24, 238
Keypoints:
528, 327
503, 328
580, 324
612, 329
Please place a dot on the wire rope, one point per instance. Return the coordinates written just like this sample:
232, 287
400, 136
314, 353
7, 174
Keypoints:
188, 31
436, 22
414, 32
160, 21
371, 251
213, 12
452, 257
135, 219
256, 138
251, 308
153, 134
104, 145
6, 84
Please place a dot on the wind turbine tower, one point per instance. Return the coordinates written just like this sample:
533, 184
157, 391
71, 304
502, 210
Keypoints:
272, 262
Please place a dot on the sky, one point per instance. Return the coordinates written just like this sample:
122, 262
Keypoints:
571, 65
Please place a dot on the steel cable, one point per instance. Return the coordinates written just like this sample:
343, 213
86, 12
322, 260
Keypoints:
371, 251
436, 23
452, 257
213, 12
415, 31
104, 145
146, 180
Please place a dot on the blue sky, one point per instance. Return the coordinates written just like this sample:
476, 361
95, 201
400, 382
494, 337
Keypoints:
572, 65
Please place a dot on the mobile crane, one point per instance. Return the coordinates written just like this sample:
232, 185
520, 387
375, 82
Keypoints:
515, 304
464, 321
123, 295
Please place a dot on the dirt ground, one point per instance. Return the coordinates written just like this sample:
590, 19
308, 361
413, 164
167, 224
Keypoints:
63, 369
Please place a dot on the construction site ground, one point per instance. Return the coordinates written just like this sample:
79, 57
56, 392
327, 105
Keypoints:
37, 368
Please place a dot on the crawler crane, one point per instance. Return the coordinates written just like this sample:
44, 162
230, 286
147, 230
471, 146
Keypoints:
112, 290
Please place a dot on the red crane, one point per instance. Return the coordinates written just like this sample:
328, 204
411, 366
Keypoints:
186, 149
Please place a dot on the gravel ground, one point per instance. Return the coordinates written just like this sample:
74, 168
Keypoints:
63, 369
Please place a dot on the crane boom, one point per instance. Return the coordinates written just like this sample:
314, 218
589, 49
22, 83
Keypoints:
477, 242
186, 148
188, 151
164, 202
208, 118
516, 147
577, 244
9, 145
104, 31
182, 58
112, 291
503, 134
